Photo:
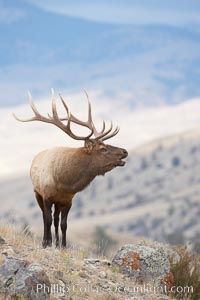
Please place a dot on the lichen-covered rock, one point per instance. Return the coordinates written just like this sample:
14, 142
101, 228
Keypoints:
19, 278
145, 263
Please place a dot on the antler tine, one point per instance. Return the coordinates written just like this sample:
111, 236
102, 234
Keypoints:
57, 121
117, 129
64, 104
72, 118
33, 107
68, 130
104, 125
53, 119
37, 117
23, 120
89, 123
89, 109
100, 135
96, 133
54, 109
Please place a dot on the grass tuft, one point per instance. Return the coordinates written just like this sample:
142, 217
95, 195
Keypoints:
186, 272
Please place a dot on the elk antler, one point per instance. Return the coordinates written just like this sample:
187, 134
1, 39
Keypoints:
98, 135
54, 119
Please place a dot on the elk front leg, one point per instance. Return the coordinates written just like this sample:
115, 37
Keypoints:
56, 222
47, 217
39, 200
64, 215
41, 205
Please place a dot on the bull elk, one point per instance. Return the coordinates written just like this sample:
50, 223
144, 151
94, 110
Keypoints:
59, 173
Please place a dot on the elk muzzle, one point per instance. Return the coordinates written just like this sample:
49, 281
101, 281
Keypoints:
120, 162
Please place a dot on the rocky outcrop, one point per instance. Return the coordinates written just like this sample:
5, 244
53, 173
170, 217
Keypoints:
84, 277
20, 279
145, 263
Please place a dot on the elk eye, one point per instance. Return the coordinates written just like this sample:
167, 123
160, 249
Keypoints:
102, 149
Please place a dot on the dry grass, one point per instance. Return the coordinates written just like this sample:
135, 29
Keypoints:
63, 266
66, 268
186, 273
16, 237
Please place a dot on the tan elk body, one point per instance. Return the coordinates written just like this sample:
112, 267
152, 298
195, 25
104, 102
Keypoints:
57, 174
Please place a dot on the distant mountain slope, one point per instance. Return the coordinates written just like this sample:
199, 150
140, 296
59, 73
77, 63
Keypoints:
157, 194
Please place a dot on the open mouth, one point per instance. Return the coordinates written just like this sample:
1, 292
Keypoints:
120, 163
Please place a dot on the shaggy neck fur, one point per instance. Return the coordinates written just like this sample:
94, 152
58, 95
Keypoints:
77, 173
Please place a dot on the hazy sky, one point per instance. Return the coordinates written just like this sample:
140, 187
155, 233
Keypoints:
146, 50
174, 12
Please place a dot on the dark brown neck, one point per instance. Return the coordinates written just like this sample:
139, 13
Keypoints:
80, 172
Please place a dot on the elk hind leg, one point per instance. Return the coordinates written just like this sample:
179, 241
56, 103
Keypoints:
64, 215
56, 222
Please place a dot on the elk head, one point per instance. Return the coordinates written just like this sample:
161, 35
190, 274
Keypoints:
105, 157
